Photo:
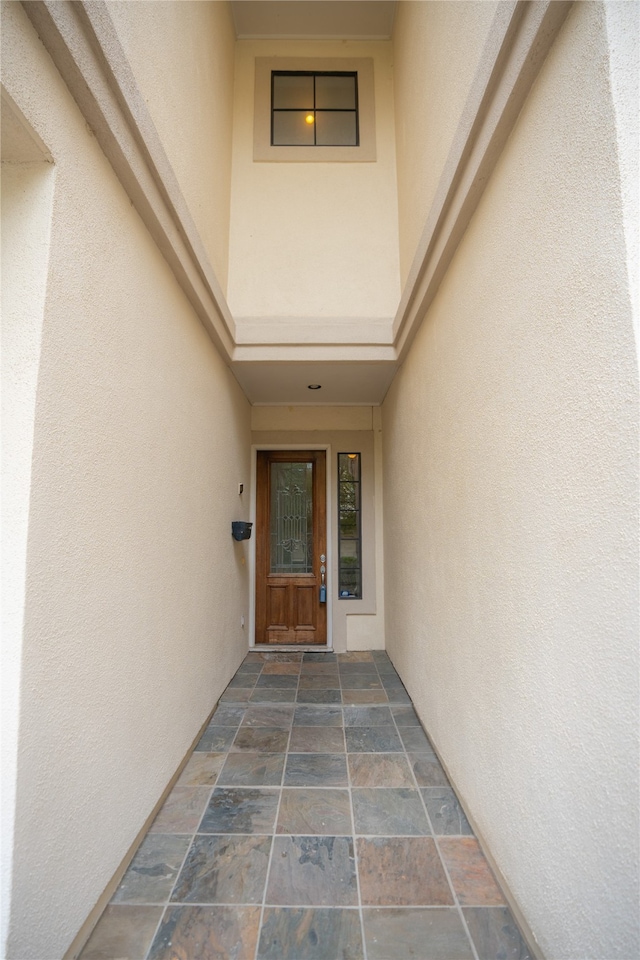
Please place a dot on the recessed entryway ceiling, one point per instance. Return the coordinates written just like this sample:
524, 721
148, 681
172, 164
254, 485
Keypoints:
314, 19
340, 382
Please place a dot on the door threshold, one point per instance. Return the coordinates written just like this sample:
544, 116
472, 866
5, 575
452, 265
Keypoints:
274, 648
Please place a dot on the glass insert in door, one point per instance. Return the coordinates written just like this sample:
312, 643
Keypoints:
291, 527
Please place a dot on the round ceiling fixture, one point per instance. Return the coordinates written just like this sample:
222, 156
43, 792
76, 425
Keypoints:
314, 386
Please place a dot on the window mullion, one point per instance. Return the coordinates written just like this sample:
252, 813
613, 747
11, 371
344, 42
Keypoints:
315, 123
287, 121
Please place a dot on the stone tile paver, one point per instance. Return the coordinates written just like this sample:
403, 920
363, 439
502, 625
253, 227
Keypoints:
313, 821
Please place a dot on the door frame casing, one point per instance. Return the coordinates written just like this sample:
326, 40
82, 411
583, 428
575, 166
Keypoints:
252, 543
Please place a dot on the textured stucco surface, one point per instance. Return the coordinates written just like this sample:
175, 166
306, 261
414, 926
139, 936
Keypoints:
292, 417
313, 239
27, 194
134, 587
510, 455
437, 48
511, 495
182, 56
623, 34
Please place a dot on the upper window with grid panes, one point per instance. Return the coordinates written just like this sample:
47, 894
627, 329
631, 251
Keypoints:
314, 109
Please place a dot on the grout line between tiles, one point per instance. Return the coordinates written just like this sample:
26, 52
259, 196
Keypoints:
355, 843
353, 827
456, 902
306, 906
404, 752
167, 902
275, 827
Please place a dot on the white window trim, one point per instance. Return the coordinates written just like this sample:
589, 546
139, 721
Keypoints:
263, 151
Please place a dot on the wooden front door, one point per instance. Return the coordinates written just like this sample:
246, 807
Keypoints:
291, 546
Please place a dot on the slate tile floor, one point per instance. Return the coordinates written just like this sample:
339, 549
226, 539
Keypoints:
312, 822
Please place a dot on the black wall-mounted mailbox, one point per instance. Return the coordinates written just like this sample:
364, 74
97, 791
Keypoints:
241, 529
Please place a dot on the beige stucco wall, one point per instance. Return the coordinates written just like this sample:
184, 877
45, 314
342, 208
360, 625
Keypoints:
511, 515
27, 195
355, 624
437, 48
623, 35
313, 240
134, 587
182, 57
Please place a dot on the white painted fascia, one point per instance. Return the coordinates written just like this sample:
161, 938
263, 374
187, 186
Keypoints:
296, 331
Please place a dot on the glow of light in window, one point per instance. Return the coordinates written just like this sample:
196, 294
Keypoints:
309, 118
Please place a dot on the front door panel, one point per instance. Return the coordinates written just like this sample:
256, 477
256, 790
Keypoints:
290, 540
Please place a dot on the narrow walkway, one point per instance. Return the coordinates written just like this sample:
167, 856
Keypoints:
313, 822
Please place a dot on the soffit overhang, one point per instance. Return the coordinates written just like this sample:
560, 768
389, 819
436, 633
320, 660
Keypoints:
357, 359
313, 19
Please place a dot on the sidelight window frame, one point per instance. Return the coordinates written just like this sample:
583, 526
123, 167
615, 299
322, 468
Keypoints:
350, 501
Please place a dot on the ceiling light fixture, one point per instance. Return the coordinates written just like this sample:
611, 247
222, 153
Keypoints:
314, 386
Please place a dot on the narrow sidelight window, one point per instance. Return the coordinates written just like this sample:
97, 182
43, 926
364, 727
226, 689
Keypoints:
349, 527
314, 109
